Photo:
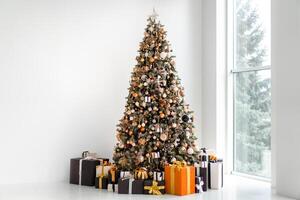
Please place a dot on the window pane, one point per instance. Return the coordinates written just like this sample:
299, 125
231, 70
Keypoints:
252, 33
252, 119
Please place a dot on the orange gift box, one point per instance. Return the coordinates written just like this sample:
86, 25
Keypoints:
180, 179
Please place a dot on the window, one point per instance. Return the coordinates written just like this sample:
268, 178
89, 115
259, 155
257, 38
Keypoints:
251, 87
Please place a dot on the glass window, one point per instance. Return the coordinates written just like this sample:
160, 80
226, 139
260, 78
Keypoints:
252, 87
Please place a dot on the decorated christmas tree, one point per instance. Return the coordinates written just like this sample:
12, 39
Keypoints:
157, 126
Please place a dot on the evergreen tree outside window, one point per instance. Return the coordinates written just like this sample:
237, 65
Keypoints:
252, 87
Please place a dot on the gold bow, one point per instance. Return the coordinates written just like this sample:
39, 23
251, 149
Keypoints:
154, 188
212, 158
141, 173
179, 164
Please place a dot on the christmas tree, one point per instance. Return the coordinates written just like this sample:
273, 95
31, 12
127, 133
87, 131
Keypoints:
157, 126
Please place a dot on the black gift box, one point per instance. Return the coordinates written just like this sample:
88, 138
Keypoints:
117, 176
204, 171
88, 171
137, 186
101, 182
150, 183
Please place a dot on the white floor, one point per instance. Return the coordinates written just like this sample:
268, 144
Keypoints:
236, 188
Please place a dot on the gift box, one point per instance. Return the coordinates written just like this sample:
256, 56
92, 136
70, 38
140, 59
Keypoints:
215, 174
204, 170
130, 186
180, 179
113, 175
112, 187
158, 176
82, 171
101, 182
154, 187
103, 169
199, 184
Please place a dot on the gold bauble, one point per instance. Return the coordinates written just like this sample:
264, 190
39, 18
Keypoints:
163, 136
151, 59
142, 129
135, 94
142, 141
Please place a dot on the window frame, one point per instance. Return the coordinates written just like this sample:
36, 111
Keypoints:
232, 71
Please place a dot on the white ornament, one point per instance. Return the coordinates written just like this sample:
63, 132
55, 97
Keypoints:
151, 29
190, 150
144, 77
173, 160
164, 95
150, 109
174, 125
137, 103
145, 84
121, 145
131, 118
188, 134
163, 55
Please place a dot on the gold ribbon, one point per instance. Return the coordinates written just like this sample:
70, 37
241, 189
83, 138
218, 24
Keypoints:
172, 182
188, 177
113, 173
141, 173
179, 164
100, 182
154, 188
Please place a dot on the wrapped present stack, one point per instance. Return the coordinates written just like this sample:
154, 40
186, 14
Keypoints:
178, 178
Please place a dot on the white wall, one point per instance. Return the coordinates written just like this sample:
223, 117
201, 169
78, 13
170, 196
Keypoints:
64, 72
214, 75
286, 96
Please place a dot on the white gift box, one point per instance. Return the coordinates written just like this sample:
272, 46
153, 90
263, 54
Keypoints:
215, 177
